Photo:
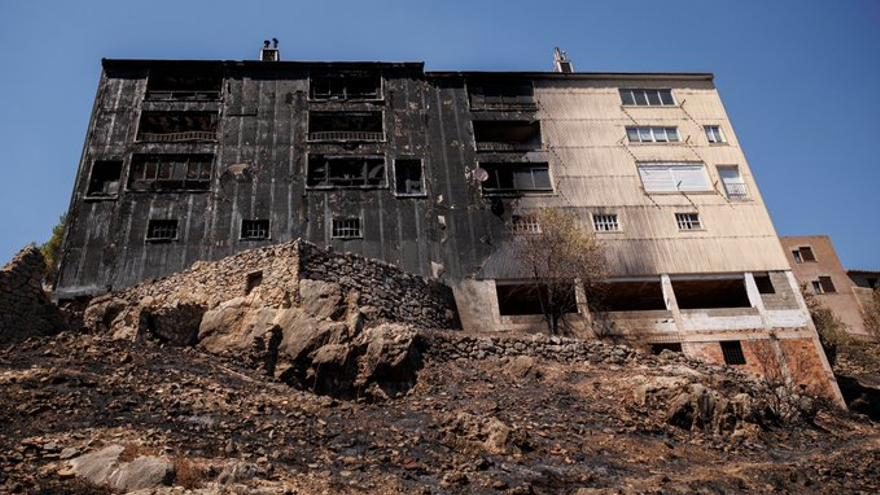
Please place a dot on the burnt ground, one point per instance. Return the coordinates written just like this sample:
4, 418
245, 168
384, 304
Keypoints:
467, 427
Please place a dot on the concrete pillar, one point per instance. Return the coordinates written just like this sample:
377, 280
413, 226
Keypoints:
671, 302
755, 298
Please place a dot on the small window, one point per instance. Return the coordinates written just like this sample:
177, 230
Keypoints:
647, 97
524, 224
667, 346
733, 352
606, 223
161, 230
408, 178
807, 254
714, 134
796, 254
827, 285
346, 228
734, 185
104, 181
688, 221
765, 285
254, 229
516, 178
652, 134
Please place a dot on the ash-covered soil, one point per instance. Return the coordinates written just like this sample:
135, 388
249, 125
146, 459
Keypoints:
497, 425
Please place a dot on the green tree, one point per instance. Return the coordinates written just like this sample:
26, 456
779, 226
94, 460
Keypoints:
52, 249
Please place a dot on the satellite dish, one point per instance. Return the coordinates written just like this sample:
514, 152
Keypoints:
481, 174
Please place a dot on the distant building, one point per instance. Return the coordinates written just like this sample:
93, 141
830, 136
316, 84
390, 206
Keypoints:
816, 266
434, 171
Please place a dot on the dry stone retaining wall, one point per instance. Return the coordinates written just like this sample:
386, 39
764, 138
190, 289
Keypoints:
25, 310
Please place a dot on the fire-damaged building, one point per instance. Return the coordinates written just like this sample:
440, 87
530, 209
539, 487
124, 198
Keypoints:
434, 171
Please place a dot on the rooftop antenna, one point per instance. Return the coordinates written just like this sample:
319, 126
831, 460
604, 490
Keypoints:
561, 61
270, 54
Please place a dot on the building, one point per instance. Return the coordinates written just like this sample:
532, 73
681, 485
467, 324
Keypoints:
433, 171
817, 268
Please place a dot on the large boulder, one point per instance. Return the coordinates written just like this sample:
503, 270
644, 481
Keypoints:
233, 326
106, 469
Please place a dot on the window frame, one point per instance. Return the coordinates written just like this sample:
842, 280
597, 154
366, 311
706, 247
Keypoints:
648, 103
159, 240
208, 182
720, 134
830, 288
733, 356
343, 74
671, 167
333, 228
680, 220
316, 111
241, 230
331, 187
424, 192
88, 194
652, 131
596, 216
523, 224
497, 165
747, 196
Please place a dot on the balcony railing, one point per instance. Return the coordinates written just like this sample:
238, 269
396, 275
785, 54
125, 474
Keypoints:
345, 136
499, 146
736, 191
177, 137
183, 95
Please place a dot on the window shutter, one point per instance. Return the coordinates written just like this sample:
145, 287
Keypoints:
674, 177
807, 254
657, 179
827, 284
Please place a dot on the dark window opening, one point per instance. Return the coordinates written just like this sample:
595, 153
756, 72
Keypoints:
161, 230
175, 84
346, 87
807, 254
827, 284
172, 127
708, 294
765, 285
666, 346
255, 229
408, 177
507, 135
498, 94
525, 299
733, 352
346, 228
346, 126
345, 171
104, 181
515, 178
631, 296
873, 283
253, 281
170, 173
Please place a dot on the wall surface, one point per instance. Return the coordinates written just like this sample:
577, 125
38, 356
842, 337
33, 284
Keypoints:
25, 309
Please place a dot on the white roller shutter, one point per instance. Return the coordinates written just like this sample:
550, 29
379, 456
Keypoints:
674, 177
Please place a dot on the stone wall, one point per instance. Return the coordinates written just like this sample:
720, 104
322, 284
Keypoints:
25, 309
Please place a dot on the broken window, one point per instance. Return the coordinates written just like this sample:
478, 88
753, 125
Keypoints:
408, 177
346, 86
711, 293
765, 285
524, 224
104, 180
171, 83
632, 296
254, 229
345, 171
516, 178
172, 127
647, 97
804, 254
606, 222
688, 221
824, 285
170, 173
501, 95
733, 352
525, 299
665, 346
346, 228
346, 126
161, 230
507, 135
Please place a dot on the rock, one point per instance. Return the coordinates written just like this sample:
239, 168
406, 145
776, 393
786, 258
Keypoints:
96, 467
523, 367
233, 326
321, 300
104, 468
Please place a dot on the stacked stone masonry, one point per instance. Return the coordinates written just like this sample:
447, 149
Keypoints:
25, 310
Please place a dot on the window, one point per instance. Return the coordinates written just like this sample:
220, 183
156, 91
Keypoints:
501, 94
765, 285
824, 285
525, 299
408, 177
516, 178
524, 224
606, 223
688, 221
734, 185
507, 135
104, 180
674, 177
733, 352
346, 86
803, 254
346, 228
652, 134
647, 97
170, 173
670, 346
345, 171
174, 127
346, 126
161, 230
714, 134
254, 229
172, 83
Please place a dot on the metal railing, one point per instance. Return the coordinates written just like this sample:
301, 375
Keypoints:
345, 136
176, 137
183, 95
736, 191
501, 146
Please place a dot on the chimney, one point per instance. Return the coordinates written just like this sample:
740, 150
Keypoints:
562, 62
272, 54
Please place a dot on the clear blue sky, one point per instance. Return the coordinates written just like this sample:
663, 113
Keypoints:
800, 79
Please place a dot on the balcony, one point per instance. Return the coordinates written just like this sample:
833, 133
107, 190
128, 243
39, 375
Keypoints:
345, 136
160, 95
178, 137
177, 127
736, 191
346, 126
507, 135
